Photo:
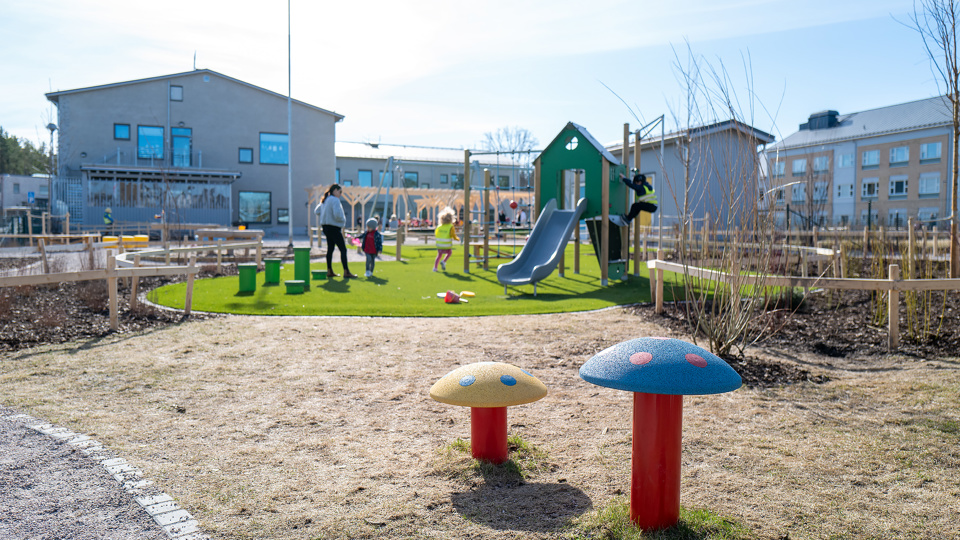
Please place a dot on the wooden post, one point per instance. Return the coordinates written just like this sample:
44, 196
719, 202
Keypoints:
89, 241
816, 244
43, 255
134, 284
399, 241
604, 222
188, 300
112, 289
44, 217
576, 229
705, 237
485, 224
893, 310
219, 254
908, 264
260, 251
636, 228
659, 294
935, 238
67, 230
466, 212
803, 269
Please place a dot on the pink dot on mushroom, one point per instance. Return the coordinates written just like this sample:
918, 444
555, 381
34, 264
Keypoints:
696, 360
641, 358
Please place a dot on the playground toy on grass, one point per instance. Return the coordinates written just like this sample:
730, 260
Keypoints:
451, 297
488, 388
660, 371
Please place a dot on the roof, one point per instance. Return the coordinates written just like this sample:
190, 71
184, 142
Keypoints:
430, 154
702, 131
55, 96
582, 131
925, 113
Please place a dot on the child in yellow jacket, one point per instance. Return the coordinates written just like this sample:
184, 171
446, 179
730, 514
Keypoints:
446, 235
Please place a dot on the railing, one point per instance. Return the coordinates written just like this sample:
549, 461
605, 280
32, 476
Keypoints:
129, 157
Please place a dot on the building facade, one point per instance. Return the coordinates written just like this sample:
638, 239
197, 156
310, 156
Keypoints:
194, 147
873, 168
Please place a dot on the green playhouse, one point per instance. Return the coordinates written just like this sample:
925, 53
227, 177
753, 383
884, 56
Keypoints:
574, 149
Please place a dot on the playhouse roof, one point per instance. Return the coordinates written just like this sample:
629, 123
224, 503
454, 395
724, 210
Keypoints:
582, 131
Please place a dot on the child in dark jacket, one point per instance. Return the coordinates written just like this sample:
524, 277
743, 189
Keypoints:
371, 243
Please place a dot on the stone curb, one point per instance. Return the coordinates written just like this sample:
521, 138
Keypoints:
178, 523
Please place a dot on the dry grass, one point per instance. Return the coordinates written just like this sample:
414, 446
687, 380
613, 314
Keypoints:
292, 428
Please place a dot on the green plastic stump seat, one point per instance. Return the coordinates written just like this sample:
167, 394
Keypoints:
248, 277
301, 265
319, 274
271, 271
294, 286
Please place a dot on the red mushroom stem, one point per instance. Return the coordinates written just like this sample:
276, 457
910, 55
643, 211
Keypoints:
488, 434
655, 476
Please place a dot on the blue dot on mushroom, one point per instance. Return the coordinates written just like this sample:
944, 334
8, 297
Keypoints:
468, 380
508, 380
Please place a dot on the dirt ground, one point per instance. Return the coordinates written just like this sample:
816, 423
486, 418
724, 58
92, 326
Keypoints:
291, 428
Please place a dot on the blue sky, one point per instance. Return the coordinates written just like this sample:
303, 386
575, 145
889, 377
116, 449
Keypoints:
441, 73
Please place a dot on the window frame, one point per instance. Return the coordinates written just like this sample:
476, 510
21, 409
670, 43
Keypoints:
928, 176
872, 181
360, 178
115, 126
894, 182
269, 153
866, 164
268, 212
847, 160
841, 196
778, 168
240, 155
824, 161
173, 96
898, 160
140, 154
798, 171
928, 158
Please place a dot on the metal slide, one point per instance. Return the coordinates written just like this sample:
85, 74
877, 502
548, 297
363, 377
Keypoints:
540, 255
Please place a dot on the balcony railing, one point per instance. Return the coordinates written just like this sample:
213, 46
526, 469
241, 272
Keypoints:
129, 157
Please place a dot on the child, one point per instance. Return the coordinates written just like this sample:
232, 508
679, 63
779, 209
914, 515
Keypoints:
445, 235
646, 199
371, 242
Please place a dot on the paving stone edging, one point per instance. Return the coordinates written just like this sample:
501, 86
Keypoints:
177, 522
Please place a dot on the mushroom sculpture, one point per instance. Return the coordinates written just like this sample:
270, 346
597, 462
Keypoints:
488, 388
659, 371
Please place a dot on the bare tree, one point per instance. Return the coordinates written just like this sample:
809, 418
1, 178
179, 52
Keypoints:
936, 22
509, 139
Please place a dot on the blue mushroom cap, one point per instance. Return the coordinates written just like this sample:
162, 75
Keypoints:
660, 366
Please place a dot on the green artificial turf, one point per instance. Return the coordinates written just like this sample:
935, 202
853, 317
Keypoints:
409, 288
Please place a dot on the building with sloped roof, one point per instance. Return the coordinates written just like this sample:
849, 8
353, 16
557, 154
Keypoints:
875, 167
196, 147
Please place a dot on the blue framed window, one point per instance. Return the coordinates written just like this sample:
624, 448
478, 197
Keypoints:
274, 149
182, 146
254, 206
365, 178
121, 132
176, 93
246, 155
149, 142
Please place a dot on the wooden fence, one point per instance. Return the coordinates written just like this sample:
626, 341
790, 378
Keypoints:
893, 285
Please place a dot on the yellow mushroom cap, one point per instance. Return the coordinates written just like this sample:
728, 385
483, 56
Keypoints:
488, 384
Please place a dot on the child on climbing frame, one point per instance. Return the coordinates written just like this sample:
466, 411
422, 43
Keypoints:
371, 243
445, 235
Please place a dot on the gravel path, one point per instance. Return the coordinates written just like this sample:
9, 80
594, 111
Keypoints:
57, 485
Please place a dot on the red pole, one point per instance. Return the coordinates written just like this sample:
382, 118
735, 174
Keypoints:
488, 433
655, 479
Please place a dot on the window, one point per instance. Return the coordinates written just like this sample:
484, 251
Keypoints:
780, 196
443, 179
930, 152
898, 186
928, 215
799, 167
778, 168
43, 191
846, 160
929, 185
347, 183
868, 220
843, 220
338, 176
503, 181
246, 155
800, 193
385, 180
897, 217
16, 188
149, 142
870, 159
121, 132
424, 186
176, 93
274, 149
870, 188
254, 206
182, 147
364, 178
899, 156
844, 191
457, 180
821, 164
820, 191
410, 179
283, 215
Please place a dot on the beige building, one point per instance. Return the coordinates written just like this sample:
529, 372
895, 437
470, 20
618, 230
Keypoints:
876, 167
197, 147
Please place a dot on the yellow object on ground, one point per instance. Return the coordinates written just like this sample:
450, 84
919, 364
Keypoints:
488, 384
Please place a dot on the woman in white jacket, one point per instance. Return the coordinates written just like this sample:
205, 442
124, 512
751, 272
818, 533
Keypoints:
332, 221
